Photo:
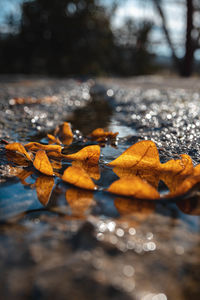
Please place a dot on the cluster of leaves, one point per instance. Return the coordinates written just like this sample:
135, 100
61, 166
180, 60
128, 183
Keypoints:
139, 168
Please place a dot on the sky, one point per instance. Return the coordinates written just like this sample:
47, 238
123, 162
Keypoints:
135, 9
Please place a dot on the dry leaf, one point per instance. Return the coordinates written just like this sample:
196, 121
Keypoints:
17, 147
17, 159
152, 177
143, 155
42, 163
91, 170
78, 177
44, 186
34, 146
66, 130
79, 200
174, 172
134, 187
89, 154
185, 186
100, 133
54, 139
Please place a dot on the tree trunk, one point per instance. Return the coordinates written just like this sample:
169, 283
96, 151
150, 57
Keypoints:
188, 60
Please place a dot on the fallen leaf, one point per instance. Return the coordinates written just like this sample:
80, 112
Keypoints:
89, 154
17, 147
134, 187
185, 186
44, 186
79, 200
91, 170
66, 130
152, 177
56, 164
100, 133
54, 139
174, 172
143, 154
17, 159
34, 146
78, 177
42, 163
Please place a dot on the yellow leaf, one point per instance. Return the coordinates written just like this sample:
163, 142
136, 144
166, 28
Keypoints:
17, 147
34, 146
185, 186
91, 170
152, 177
42, 163
66, 130
78, 177
175, 171
44, 186
134, 187
89, 154
54, 139
79, 200
100, 133
142, 154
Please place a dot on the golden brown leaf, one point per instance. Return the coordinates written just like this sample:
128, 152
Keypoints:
34, 146
44, 186
142, 154
185, 186
17, 159
174, 172
100, 133
17, 147
89, 154
134, 187
54, 139
152, 177
42, 163
79, 200
78, 177
66, 130
91, 170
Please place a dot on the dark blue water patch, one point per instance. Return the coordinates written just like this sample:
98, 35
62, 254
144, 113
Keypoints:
15, 199
105, 205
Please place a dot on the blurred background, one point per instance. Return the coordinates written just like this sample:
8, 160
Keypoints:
100, 37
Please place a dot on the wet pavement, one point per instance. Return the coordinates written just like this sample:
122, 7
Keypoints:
93, 245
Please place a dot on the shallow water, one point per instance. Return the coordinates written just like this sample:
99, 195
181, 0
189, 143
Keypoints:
94, 245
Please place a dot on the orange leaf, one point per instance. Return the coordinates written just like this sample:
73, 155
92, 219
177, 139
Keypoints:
152, 177
54, 139
34, 146
134, 187
89, 154
66, 130
185, 186
44, 186
100, 133
17, 147
91, 170
175, 171
42, 163
79, 200
142, 154
78, 177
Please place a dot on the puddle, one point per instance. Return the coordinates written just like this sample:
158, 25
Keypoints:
121, 247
